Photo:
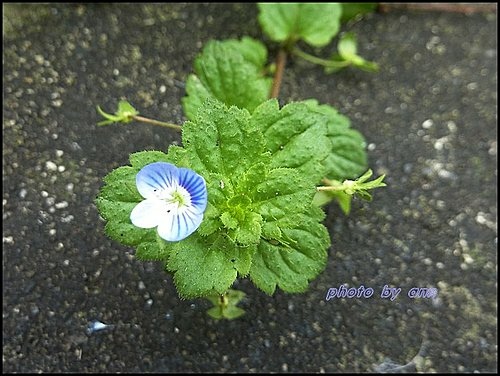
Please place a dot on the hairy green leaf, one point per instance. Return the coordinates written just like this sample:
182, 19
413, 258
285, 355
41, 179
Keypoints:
207, 265
293, 260
315, 23
347, 157
222, 140
230, 71
283, 191
296, 136
252, 50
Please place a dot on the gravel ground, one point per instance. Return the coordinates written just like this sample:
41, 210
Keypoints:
429, 117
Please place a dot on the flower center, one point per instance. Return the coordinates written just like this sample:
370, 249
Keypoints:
181, 197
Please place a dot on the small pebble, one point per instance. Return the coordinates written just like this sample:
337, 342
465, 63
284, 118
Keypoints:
51, 166
61, 205
427, 124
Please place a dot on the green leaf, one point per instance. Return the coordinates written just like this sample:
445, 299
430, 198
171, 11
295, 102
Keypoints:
207, 265
248, 230
225, 305
348, 157
292, 261
315, 23
343, 199
333, 118
230, 72
143, 158
282, 191
347, 46
296, 136
124, 114
222, 140
229, 221
348, 51
126, 110
252, 50
232, 312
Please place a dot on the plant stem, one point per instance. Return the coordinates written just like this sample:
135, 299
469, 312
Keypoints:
320, 61
278, 75
157, 122
330, 188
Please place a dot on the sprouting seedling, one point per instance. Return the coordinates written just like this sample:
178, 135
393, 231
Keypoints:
225, 305
348, 55
344, 191
124, 114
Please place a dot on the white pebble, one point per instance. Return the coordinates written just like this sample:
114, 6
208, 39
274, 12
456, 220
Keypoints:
52, 231
61, 205
438, 145
8, 239
51, 166
452, 127
22, 193
61, 169
480, 218
427, 124
67, 219
468, 259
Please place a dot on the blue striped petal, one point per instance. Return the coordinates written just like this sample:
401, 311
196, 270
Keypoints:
179, 226
195, 185
156, 178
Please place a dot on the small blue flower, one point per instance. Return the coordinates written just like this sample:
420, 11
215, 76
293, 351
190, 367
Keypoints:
175, 199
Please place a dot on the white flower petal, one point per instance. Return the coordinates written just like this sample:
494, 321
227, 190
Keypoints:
179, 226
156, 178
149, 213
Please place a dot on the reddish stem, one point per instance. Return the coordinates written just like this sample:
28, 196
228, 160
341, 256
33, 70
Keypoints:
278, 75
